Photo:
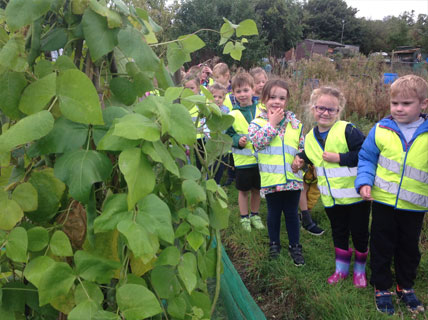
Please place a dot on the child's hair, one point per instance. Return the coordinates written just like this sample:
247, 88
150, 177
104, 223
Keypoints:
330, 91
410, 85
241, 79
191, 77
220, 69
270, 84
217, 86
255, 71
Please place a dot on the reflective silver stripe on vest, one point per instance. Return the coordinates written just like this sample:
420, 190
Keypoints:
243, 152
416, 174
405, 195
277, 150
278, 169
337, 172
339, 193
389, 164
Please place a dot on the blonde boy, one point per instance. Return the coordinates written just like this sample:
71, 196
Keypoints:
247, 171
393, 171
221, 75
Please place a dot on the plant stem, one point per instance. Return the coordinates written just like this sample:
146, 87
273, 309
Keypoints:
53, 103
217, 272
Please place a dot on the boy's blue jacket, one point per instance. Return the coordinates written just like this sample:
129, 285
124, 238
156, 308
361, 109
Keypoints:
369, 153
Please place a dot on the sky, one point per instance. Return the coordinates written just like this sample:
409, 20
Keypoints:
378, 9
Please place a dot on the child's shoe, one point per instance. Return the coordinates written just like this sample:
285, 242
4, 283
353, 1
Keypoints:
383, 302
360, 279
408, 296
274, 250
256, 222
296, 254
343, 259
309, 225
246, 224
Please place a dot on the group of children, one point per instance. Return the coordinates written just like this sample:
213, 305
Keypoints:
385, 173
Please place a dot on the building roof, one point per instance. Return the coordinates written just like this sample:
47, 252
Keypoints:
329, 43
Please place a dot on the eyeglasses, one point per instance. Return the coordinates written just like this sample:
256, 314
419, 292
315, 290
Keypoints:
322, 109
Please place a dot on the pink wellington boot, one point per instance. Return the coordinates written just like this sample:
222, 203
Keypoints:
343, 259
360, 279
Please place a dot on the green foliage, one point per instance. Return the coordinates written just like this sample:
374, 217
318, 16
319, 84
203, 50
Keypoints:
101, 216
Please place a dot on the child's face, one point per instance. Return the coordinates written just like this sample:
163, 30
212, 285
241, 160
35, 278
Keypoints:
259, 82
326, 111
223, 79
406, 109
192, 86
218, 97
244, 95
277, 99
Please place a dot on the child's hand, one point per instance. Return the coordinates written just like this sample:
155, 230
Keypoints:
366, 192
275, 116
243, 141
331, 157
297, 164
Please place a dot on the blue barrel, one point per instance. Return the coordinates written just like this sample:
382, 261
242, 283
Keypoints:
389, 77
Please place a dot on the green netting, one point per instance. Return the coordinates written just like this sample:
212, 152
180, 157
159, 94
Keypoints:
238, 302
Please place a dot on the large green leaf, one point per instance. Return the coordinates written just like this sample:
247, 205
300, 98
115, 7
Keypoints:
193, 192
177, 307
191, 42
60, 244
26, 130
12, 55
164, 281
163, 76
124, 90
132, 43
54, 40
190, 172
12, 84
182, 126
38, 239
94, 268
81, 169
22, 12
35, 269
65, 136
187, 271
176, 56
136, 169
55, 281
155, 213
136, 126
195, 239
166, 158
141, 242
17, 244
113, 18
37, 95
85, 310
50, 191
78, 98
247, 28
137, 302
88, 291
115, 210
98, 36
10, 212
143, 81
115, 143
13, 296
169, 256
26, 196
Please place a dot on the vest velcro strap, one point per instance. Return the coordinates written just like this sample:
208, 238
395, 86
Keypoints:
277, 150
339, 193
416, 174
337, 172
277, 168
387, 186
413, 197
389, 164
243, 152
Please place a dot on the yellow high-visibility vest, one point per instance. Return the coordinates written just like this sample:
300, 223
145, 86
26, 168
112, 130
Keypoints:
335, 182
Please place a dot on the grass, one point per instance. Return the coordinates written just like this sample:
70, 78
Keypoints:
284, 291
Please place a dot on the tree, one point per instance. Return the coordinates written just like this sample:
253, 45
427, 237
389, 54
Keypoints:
331, 20
281, 21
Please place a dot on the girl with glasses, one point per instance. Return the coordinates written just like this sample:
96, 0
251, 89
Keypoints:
332, 147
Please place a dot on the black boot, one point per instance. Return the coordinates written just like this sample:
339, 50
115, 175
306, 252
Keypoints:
309, 225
